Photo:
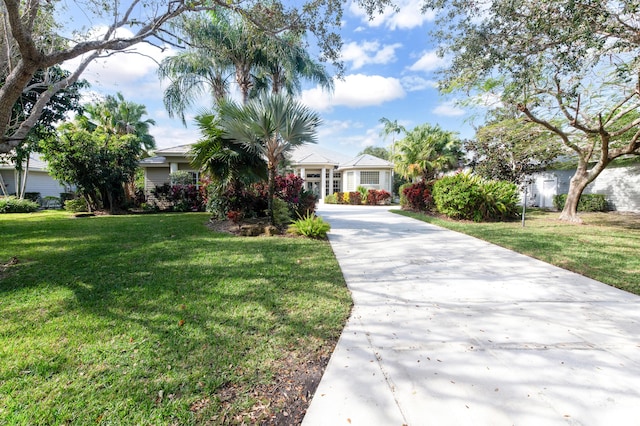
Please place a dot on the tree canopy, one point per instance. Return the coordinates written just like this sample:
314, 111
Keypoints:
569, 66
35, 37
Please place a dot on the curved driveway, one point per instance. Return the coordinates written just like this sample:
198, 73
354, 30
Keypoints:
450, 330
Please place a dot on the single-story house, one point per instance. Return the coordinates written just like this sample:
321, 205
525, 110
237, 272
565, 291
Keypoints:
38, 179
324, 171
619, 184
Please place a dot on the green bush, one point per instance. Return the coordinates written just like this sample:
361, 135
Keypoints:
463, 196
331, 198
403, 197
310, 226
281, 212
16, 205
587, 203
76, 205
363, 193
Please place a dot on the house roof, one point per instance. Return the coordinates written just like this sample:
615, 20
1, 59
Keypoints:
175, 150
366, 161
311, 154
35, 164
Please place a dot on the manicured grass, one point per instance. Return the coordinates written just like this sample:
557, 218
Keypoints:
152, 319
606, 247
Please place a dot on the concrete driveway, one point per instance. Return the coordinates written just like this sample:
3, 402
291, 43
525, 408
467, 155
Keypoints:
450, 330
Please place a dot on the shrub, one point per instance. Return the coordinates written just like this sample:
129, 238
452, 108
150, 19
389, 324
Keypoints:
403, 198
32, 196
182, 198
343, 197
417, 196
16, 205
281, 212
181, 177
310, 226
375, 197
354, 198
331, 198
587, 203
463, 196
76, 205
363, 193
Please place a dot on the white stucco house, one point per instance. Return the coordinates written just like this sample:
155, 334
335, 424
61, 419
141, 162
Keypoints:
324, 171
38, 179
620, 186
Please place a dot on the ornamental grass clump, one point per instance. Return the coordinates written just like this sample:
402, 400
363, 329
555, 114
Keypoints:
16, 205
310, 226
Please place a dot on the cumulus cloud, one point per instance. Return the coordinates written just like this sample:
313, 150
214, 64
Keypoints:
356, 90
448, 109
429, 61
413, 83
368, 52
408, 16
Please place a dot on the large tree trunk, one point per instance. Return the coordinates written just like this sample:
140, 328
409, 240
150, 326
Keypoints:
272, 191
578, 183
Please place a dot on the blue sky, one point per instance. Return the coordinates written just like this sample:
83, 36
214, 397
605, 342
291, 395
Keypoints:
390, 71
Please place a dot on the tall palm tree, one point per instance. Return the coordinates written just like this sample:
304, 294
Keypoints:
120, 117
285, 62
193, 73
269, 126
426, 151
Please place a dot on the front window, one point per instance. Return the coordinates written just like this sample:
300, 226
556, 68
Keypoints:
369, 178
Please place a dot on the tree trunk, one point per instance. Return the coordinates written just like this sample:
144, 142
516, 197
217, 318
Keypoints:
578, 183
272, 192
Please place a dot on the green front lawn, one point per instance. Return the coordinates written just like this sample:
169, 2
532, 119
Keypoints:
154, 319
606, 247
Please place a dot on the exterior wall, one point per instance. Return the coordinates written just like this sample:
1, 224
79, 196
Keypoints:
155, 176
351, 179
620, 186
37, 181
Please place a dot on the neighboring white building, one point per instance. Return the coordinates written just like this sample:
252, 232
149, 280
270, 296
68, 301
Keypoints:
158, 168
620, 186
38, 179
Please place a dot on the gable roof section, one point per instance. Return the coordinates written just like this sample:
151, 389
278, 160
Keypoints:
366, 161
183, 150
311, 154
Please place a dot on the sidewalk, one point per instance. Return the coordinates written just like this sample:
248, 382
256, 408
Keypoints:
450, 330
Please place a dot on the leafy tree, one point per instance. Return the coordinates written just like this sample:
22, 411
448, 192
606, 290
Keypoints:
269, 126
121, 117
511, 149
33, 40
390, 128
425, 151
97, 162
377, 151
569, 66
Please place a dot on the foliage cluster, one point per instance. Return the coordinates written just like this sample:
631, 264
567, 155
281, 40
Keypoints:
463, 196
417, 196
76, 205
16, 205
310, 226
251, 201
371, 197
587, 203
180, 197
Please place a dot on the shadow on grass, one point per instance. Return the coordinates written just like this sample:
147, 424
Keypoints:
144, 316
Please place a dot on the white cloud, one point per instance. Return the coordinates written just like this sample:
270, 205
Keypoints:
408, 16
171, 134
369, 52
429, 61
448, 109
413, 83
356, 90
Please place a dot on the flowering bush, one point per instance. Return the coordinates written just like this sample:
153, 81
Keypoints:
375, 197
181, 198
417, 196
355, 198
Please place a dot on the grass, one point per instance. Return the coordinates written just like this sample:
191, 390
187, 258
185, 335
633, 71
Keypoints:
151, 319
604, 248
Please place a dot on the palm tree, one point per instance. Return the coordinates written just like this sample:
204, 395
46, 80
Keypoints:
425, 151
193, 73
226, 161
269, 126
284, 62
120, 117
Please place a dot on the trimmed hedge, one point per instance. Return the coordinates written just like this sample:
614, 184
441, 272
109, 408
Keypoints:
587, 203
16, 205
